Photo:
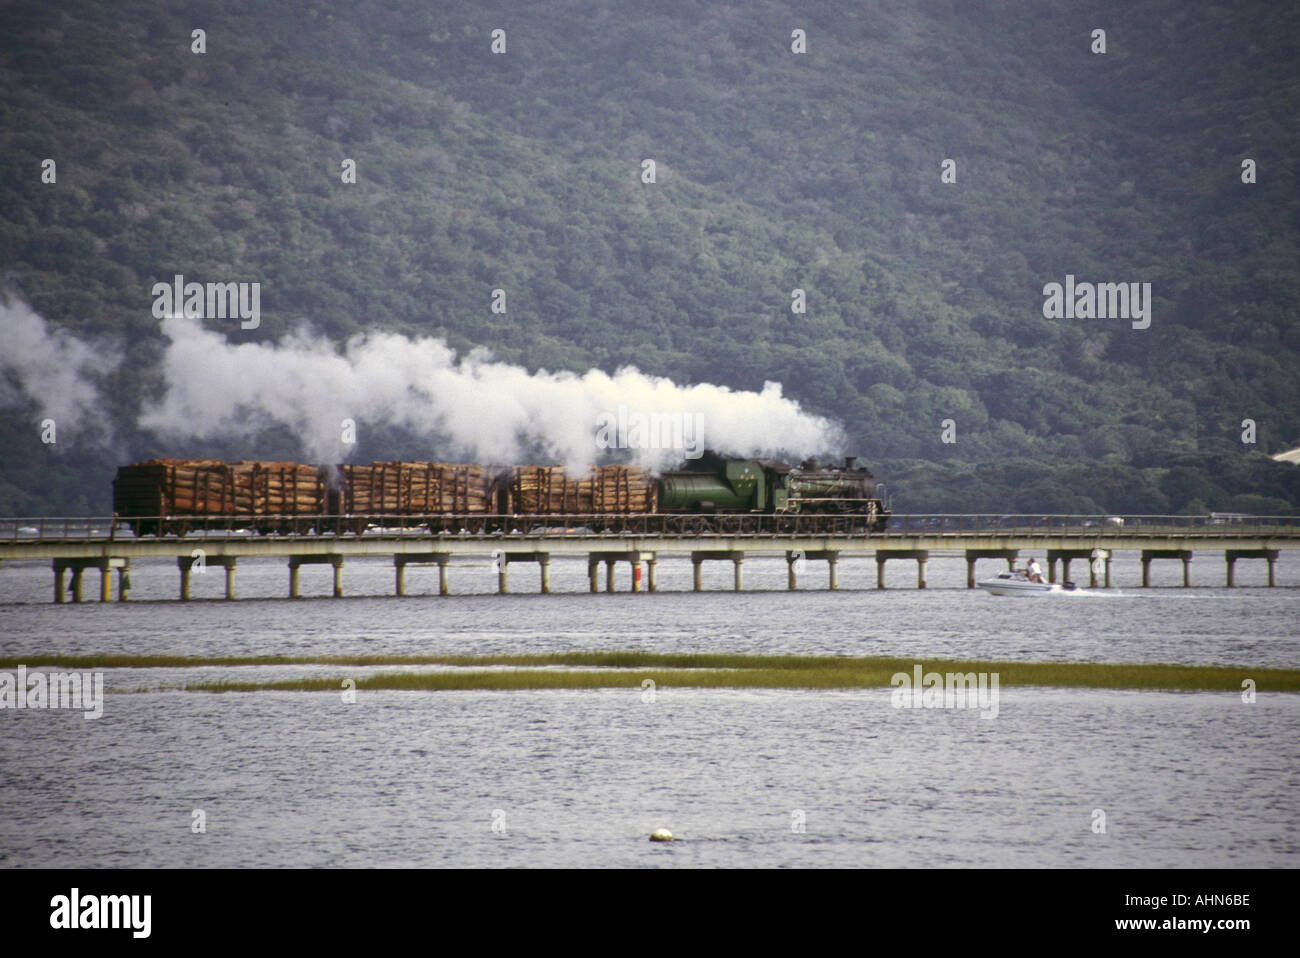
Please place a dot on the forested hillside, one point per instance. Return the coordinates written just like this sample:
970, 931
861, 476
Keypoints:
775, 171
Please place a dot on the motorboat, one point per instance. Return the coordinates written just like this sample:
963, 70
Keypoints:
1016, 582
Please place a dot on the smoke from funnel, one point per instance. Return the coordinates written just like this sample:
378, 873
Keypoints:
471, 407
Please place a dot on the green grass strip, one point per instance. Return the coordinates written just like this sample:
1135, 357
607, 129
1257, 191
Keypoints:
700, 670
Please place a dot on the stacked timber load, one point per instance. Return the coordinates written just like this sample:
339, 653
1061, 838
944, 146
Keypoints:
281, 488
413, 488
168, 487
543, 489
623, 489
549, 490
210, 487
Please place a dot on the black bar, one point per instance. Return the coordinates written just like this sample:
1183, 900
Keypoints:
947, 907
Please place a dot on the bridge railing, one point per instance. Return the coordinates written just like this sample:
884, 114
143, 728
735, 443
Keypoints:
96, 528
1086, 525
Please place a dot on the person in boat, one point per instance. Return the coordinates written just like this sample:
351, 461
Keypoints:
1034, 571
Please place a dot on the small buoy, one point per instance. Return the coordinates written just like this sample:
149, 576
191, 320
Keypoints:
661, 835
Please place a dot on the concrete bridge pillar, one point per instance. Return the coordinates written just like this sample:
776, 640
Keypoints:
403, 559
104, 565
1009, 554
794, 556
1232, 555
920, 555
186, 565
503, 560
633, 558
1098, 563
1066, 556
296, 561
1184, 554
736, 557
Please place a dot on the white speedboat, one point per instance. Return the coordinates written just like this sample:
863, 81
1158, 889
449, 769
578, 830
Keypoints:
1017, 583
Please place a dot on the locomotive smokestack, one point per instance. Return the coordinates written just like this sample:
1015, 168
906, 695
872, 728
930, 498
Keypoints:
850, 463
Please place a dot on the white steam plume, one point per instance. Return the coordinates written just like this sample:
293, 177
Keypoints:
487, 411
53, 369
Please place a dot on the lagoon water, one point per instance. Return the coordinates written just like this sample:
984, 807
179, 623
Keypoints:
580, 778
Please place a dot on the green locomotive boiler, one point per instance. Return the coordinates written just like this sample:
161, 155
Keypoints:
715, 484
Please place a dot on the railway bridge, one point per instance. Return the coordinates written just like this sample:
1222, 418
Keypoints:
107, 545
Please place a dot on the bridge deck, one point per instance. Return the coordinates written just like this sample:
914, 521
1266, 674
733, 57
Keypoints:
105, 544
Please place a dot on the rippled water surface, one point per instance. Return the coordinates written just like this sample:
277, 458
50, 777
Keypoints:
580, 778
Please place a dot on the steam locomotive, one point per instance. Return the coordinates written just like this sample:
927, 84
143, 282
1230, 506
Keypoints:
716, 484
711, 493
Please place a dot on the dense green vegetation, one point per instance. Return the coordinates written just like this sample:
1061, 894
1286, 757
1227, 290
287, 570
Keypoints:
819, 171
